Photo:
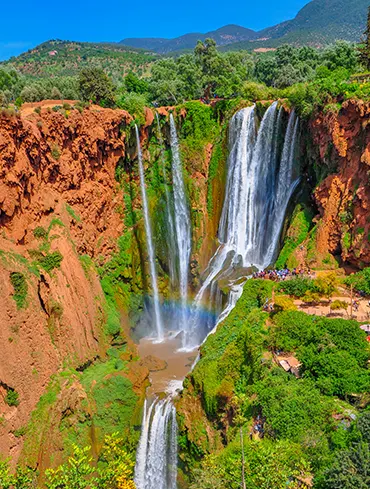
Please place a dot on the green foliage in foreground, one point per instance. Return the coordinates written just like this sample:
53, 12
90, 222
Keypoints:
307, 420
12, 398
114, 470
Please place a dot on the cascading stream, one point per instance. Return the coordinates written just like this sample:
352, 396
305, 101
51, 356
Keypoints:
156, 461
149, 241
260, 183
171, 235
182, 224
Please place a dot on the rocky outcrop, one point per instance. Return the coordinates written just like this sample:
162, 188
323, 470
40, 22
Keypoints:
342, 142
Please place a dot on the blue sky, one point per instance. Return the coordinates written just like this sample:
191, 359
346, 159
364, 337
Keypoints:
27, 23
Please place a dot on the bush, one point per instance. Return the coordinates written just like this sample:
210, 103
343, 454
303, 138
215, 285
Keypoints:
134, 103
40, 233
360, 281
55, 152
283, 303
20, 286
12, 398
256, 91
297, 287
51, 261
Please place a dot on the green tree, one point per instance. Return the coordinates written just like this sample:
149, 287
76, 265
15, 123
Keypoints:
135, 84
77, 473
219, 77
95, 85
116, 469
165, 84
350, 470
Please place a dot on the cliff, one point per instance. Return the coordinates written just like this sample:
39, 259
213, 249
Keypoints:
343, 197
58, 201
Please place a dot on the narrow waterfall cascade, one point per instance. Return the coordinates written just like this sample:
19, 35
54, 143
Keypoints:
156, 461
149, 242
171, 234
182, 225
260, 182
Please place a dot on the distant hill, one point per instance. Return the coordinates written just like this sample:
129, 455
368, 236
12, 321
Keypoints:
318, 23
66, 58
223, 36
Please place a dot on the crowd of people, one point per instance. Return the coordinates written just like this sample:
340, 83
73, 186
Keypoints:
283, 274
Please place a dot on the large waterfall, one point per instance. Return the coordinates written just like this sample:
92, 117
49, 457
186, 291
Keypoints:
156, 460
260, 182
261, 178
182, 223
149, 241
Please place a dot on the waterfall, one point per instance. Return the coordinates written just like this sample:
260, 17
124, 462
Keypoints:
182, 223
156, 461
260, 183
149, 242
171, 234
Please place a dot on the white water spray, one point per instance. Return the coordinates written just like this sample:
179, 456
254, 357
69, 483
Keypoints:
156, 462
171, 234
149, 241
182, 223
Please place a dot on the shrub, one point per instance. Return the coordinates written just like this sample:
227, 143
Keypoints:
51, 261
256, 91
40, 232
337, 305
297, 287
134, 103
360, 281
12, 398
284, 303
55, 152
20, 286
20, 432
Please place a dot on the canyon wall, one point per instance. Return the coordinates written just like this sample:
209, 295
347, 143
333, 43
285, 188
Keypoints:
338, 149
58, 202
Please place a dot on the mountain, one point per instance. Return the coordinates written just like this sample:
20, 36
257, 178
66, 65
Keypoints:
66, 58
225, 35
324, 19
318, 23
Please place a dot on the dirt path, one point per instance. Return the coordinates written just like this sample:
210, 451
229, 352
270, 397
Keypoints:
323, 309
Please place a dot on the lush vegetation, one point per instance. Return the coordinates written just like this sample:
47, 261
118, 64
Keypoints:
308, 77
305, 424
360, 281
114, 470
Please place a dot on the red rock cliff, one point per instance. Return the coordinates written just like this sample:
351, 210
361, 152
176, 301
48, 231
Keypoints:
57, 175
343, 198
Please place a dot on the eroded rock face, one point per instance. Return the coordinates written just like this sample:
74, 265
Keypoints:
343, 198
58, 175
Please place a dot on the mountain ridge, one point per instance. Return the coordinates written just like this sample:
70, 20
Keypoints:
318, 23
